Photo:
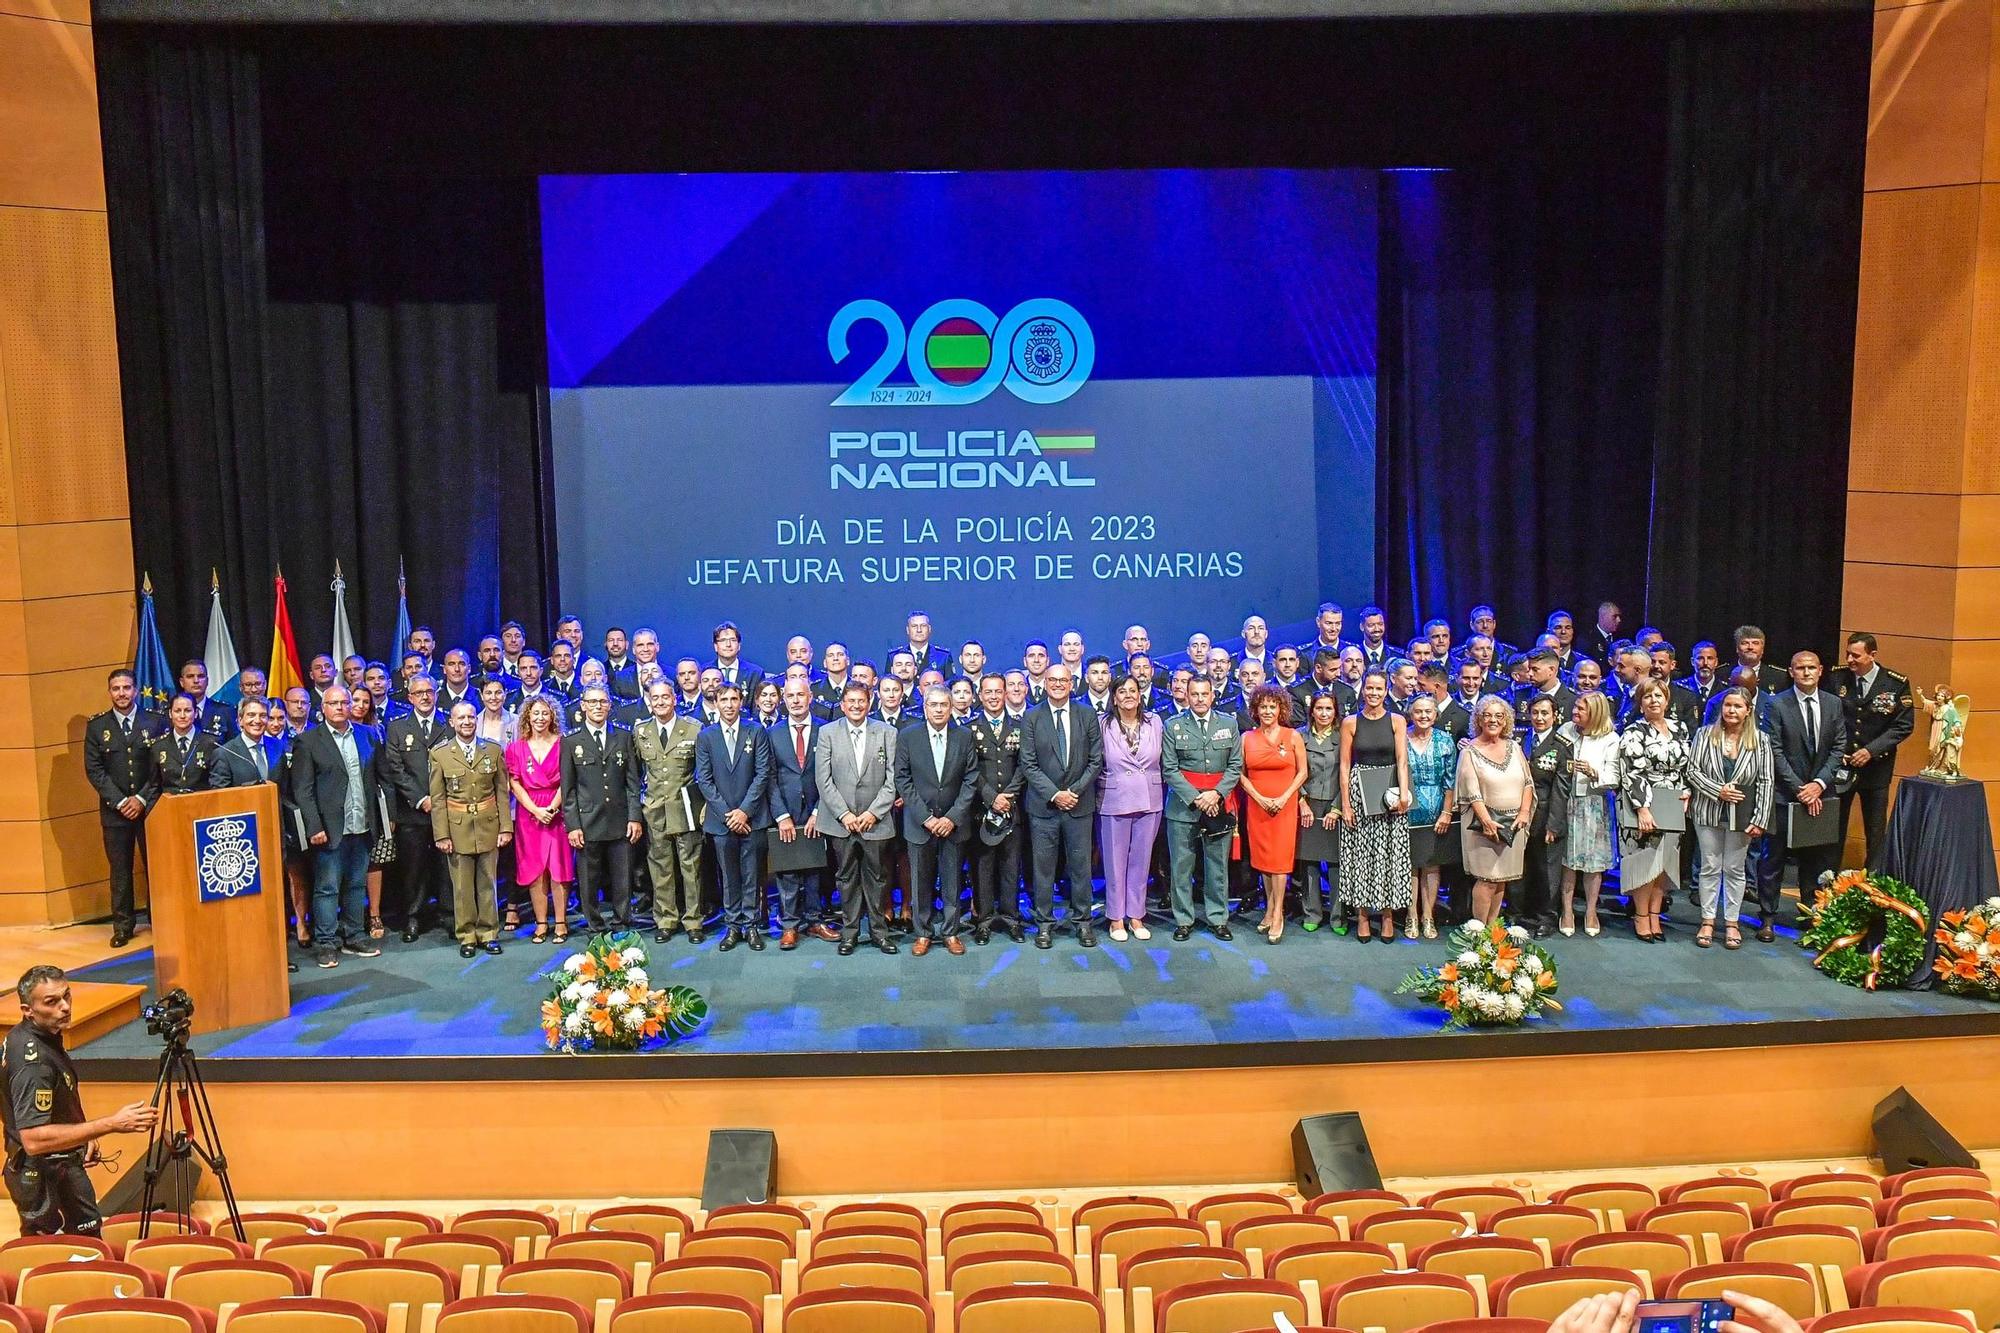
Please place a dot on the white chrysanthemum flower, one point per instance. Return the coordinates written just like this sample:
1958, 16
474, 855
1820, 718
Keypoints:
1518, 932
1985, 950
1532, 965
1516, 1006
1963, 939
572, 992
635, 976
1468, 959
634, 1019
573, 963
1524, 984
574, 1023
585, 989
616, 999
633, 955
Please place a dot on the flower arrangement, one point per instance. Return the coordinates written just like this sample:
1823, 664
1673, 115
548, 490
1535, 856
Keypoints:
603, 1000
1968, 957
1854, 907
1498, 977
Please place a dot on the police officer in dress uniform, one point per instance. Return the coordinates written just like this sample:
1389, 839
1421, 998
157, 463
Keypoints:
468, 778
45, 1128
116, 745
1201, 756
1880, 716
996, 843
403, 768
671, 806
180, 756
600, 807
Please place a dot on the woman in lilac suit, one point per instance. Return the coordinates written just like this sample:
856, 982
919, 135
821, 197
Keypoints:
1128, 807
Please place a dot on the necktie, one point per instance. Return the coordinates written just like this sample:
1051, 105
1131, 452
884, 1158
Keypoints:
128, 729
729, 743
257, 754
185, 742
1812, 721
597, 738
1062, 736
799, 742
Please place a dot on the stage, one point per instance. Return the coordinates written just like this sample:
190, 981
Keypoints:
421, 1011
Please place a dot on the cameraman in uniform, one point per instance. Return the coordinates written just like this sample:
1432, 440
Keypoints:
45, 1129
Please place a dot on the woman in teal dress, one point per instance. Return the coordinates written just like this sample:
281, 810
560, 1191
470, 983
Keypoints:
1433, 783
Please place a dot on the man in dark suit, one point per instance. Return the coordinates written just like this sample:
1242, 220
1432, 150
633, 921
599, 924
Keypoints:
1544, 681
493, 665
333, 783
210, 718
1808, 743
1062, 756
794, 808
601, 782
245, 759
1548, 757
996, 848
561, 678
1706, 680
732, 765
1604, 633
1880, 715
745, 676
457, 687
422, 877
1456, 717
117, 745
937, 778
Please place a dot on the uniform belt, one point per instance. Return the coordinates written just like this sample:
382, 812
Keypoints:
1202, 781
474, 807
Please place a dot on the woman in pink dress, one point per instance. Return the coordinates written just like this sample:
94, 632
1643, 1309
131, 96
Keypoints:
541, 843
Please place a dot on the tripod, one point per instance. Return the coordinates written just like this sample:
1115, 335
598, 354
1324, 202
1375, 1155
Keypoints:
185, 1129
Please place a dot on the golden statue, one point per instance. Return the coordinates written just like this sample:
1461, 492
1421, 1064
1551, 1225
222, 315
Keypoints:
1948, 716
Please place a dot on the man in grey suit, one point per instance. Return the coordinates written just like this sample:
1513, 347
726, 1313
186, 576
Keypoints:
856, 771
1062, 756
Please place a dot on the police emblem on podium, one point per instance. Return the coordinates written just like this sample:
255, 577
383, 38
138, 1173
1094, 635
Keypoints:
226, 861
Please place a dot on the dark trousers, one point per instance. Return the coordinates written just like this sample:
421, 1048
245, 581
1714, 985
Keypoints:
796, 891
1813, 862
1540, 902
858, 871
1062, 846
736, 871
934, 874
421, 885
604, 868
53, 1194
1874, 803
996, 882
121, 841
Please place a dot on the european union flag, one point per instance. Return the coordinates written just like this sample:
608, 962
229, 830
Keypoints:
156, 679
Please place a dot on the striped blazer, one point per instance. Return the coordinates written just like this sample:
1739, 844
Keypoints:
1708, 768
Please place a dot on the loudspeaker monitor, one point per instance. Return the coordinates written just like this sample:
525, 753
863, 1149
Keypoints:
1330, 1152
742, 1168
1909, 1138
173, 1193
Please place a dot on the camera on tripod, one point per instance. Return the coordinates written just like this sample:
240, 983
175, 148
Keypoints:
170, 1016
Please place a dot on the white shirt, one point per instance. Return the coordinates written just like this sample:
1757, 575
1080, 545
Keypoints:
858, 738
1868, 681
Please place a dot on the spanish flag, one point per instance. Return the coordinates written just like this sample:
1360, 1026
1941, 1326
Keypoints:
285, 671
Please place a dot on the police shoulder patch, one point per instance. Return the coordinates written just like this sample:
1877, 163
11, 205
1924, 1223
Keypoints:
45, 1099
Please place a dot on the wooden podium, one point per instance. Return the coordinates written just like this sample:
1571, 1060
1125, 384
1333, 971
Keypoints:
217, 870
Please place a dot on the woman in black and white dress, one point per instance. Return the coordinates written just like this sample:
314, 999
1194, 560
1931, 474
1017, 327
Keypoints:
1375, 844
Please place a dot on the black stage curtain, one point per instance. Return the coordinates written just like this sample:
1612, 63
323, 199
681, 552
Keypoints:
1763, 233
329, 377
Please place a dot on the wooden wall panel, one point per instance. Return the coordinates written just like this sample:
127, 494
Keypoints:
1913, 340
1927, 113
63, 11
1981, 473
49, 151
1892, 528
1191, 1127
74, 559
1900, 599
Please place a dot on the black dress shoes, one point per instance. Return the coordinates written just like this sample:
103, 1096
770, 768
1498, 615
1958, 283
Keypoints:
468, 951
1767, 935
755, 939
491, 946
1044, 938
981, 935
1086, 936
886, 945
844, 948
1017, 934
120, 938
409, 935
1182, 933
661, 936
730, 939
1223, 932
696, 935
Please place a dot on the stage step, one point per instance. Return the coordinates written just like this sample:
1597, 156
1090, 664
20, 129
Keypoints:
96, 1007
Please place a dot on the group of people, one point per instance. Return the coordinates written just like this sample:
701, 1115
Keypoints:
1368, 784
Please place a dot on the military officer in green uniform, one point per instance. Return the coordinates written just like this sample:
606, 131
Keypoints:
672, 809
468, 778
1201, 756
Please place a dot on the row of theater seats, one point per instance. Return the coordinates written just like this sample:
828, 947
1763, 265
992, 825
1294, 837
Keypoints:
1837, 1250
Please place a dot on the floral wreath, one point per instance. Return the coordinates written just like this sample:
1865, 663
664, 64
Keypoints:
1968, 957
1847, 913
602, 1000
1497, 977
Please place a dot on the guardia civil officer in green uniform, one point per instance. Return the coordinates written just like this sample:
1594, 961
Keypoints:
1201, 756
46, 1130
468, 780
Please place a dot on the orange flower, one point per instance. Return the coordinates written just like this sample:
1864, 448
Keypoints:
1953, 918
1498, 934
636, 994
1941, 966
551, 1013
1993, 937
1965, 969
1546, 981
587, 969
1449, 972
650, 1028
601, 1020
1448, 997
1847, 879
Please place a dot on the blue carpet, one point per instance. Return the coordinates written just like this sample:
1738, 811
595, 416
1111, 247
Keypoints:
423, 1000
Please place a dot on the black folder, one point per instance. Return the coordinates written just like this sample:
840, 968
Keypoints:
801, 853
1805, 829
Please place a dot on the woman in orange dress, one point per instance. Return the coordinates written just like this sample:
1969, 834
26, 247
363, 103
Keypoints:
1274, 768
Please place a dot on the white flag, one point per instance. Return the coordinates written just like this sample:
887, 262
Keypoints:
219, 656
343, 637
